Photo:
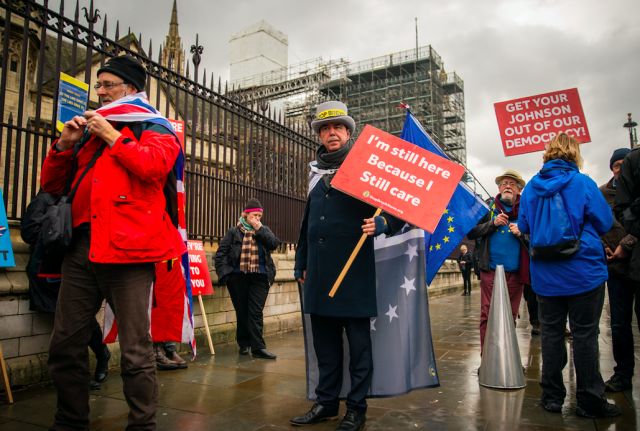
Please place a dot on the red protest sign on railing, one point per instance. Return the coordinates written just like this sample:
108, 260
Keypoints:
401, 178
178, 127
527, 124
200, 278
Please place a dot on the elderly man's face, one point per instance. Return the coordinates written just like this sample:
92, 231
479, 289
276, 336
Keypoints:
334, 136
509, 190
112, 88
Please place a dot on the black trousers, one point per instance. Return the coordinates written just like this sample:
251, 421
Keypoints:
584, 311
621, 300
532, 303
249, 294
466, 276
328, 344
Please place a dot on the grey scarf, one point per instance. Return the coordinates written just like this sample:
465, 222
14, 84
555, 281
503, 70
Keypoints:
327, 160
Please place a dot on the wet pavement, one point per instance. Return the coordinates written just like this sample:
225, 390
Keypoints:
238, 393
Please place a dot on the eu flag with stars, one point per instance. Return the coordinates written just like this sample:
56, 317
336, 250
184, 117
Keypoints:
464, 211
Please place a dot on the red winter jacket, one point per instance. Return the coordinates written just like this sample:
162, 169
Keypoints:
129, 221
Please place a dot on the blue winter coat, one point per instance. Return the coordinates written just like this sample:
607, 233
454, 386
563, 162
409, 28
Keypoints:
331, 228
584, 204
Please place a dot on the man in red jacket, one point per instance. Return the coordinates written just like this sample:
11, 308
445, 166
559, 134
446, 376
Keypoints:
121, 228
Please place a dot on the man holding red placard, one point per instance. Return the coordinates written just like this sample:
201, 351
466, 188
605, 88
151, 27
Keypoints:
331, 227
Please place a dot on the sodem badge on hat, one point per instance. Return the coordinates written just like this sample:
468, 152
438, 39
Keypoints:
332, 112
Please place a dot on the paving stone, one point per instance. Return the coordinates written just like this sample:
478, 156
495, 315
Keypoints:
34, 345
8, 306
15, 326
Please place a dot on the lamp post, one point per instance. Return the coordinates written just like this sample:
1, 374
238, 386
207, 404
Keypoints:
633, 133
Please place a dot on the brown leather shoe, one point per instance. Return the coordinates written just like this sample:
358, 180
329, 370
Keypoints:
182, 364
162, 362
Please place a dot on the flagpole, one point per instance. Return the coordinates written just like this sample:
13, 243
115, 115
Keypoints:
351, 259
475, 179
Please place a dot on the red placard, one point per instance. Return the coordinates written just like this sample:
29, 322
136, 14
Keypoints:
527, 124
401, 178
178, 127
200, 278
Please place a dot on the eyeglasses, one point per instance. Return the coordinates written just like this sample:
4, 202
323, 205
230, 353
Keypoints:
107, 85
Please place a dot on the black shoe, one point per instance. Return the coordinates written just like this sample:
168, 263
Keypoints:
552, 407
102, 366
353, 421
95, 386
463, 294
608, 411
316, 415
617, 383
535, 329
244, 350
263, 353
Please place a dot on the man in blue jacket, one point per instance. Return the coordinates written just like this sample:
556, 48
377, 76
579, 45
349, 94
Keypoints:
331, 228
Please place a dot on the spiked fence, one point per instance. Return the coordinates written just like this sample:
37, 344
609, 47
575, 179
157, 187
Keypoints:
236, 146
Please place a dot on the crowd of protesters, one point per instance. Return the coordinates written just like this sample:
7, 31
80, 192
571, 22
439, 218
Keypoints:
559, 238
562, 240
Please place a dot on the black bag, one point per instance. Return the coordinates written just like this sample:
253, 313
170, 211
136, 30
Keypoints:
57, 224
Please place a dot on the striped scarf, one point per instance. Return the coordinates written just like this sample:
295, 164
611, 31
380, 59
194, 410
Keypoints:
249, 258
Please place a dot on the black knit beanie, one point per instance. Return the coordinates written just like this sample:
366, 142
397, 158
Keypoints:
618, 154
253, 204
127, 68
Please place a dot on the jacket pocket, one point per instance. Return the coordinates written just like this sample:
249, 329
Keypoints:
135, 224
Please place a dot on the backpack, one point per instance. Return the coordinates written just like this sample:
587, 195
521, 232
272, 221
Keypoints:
556, 240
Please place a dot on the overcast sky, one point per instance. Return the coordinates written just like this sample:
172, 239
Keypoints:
502, 50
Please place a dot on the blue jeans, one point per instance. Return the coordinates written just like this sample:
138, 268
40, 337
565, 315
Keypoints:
621, 295
584, 311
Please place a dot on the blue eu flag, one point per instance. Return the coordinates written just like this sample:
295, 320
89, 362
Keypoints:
462, 214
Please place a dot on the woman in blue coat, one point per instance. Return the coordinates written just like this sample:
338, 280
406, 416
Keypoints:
558, 206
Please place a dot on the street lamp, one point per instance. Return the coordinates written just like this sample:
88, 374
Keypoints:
633, 134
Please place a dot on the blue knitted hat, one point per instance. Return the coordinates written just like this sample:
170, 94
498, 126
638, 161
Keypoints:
618, 154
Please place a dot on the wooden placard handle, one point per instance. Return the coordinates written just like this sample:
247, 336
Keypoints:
206, 325
351, 259
7, 385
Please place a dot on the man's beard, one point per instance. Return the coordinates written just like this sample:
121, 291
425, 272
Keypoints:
508, 199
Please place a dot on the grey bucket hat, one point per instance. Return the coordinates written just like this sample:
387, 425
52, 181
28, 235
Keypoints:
332, 112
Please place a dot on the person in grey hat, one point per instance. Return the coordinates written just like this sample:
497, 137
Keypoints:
331, 227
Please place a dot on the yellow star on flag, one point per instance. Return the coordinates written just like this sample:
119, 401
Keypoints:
450, 219
446, 211
437, 246
451, 229
446, 239
431, 248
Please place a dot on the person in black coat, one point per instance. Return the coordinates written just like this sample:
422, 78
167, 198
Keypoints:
243, 262
331, 228
465, 261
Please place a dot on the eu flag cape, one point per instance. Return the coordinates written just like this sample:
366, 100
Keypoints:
464, 211
403, 357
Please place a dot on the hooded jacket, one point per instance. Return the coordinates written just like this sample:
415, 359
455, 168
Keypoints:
585, 205
627, 194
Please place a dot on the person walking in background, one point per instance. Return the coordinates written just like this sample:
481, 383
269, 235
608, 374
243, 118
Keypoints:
565, 214
243, 262
499, 242
622, 289
532, 308
465, 261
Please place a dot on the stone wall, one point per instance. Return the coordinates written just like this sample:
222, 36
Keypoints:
25, 334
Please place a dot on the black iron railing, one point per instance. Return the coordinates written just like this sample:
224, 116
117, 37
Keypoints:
236, 147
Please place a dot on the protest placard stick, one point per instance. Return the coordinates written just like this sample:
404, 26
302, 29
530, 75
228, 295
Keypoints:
7, 386
351, 259
206, 325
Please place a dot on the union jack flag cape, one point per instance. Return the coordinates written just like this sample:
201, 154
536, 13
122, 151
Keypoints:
170, 302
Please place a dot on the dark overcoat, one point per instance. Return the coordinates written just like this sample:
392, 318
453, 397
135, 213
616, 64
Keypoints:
230, 249
331, 228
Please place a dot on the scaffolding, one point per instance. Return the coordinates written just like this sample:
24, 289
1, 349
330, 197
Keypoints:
373, 90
